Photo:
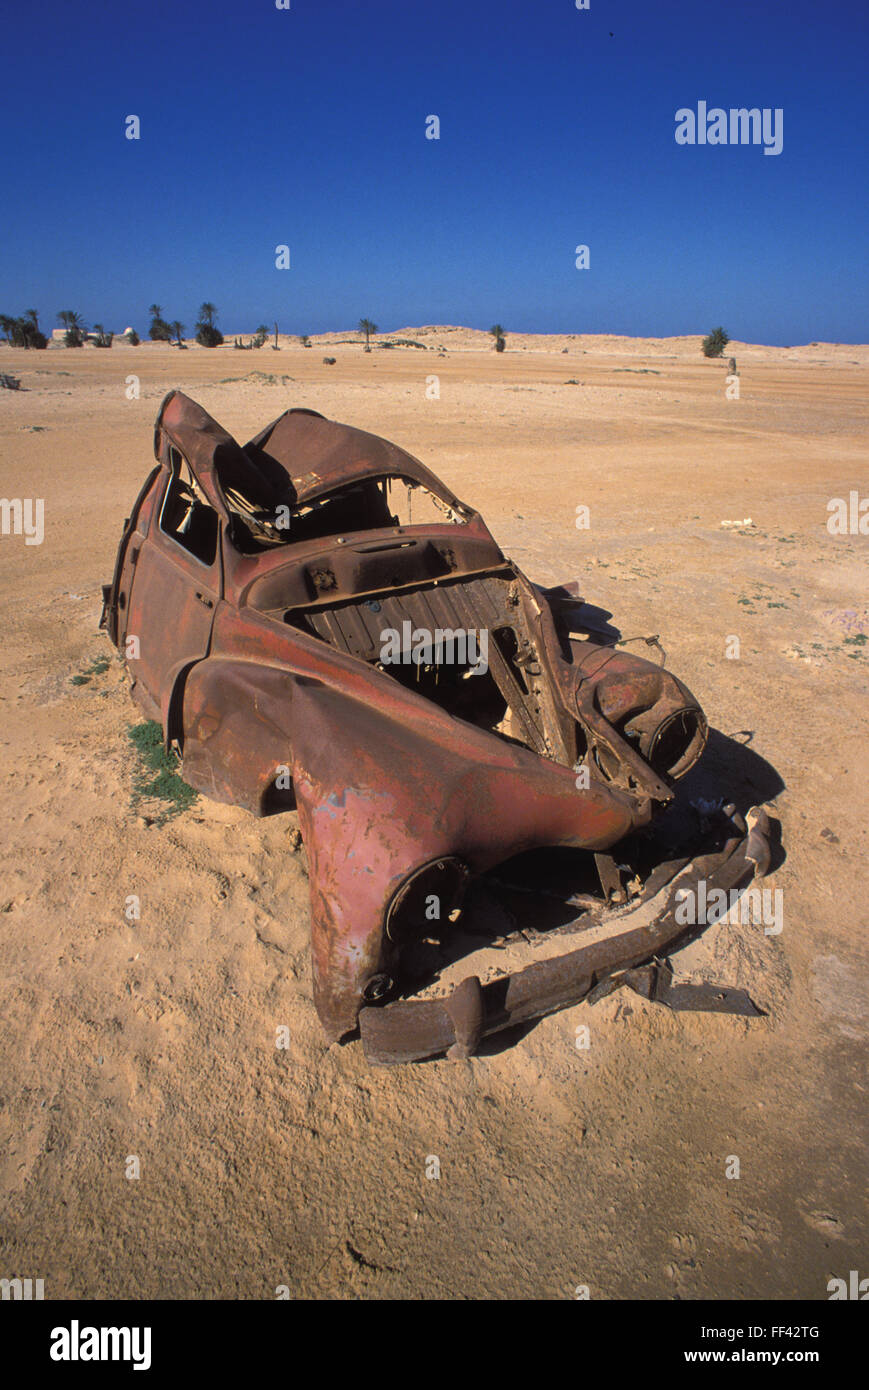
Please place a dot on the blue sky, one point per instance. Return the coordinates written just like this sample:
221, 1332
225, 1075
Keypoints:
306, 127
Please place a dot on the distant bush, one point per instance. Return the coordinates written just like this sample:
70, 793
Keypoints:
207, 332
75, 329
24, 331
34, 337
133, 338
715, 342
160, 331
209, 336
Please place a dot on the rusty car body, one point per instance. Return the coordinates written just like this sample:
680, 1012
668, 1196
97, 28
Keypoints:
251, 592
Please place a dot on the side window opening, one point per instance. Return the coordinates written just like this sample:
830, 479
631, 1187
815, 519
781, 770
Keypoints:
186, 516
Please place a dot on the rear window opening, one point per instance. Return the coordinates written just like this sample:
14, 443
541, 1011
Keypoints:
373, 504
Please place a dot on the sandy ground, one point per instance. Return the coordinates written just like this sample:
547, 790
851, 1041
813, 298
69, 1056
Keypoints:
559, 1167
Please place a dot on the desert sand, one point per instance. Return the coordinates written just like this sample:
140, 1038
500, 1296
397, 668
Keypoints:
303, 1167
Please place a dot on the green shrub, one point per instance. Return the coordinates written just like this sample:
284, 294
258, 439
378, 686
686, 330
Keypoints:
156, 776
209, 336
715, 342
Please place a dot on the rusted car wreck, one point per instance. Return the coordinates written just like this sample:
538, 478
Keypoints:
317, 622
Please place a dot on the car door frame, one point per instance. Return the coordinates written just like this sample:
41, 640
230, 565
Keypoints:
173, 597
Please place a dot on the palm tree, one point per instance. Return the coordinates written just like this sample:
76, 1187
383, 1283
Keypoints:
33, 337
159, 332
207, 332
72, 322
367, 327
24, 331
498, 334
178, 329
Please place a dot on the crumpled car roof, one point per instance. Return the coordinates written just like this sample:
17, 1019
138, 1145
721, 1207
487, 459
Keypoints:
297, 458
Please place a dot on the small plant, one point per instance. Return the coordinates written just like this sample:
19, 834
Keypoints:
101, 338
96, 668
715, 342
305, 340
500, 337
178, 329
157, 775
133, 338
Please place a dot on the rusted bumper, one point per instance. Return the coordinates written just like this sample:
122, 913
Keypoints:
407, 1031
